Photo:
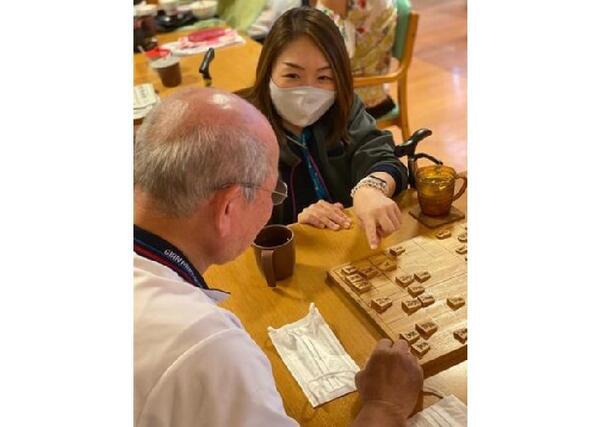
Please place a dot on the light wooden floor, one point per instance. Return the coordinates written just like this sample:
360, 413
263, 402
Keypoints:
437, 80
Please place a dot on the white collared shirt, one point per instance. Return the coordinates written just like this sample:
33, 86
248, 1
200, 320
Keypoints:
194, 364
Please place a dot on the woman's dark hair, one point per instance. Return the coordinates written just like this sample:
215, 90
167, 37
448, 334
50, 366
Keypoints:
305, 21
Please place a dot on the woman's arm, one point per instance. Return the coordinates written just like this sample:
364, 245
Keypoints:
372, 151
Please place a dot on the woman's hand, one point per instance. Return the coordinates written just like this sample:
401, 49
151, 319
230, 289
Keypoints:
379, 215
325, 215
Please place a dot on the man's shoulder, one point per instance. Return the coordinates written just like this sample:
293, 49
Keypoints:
161, 298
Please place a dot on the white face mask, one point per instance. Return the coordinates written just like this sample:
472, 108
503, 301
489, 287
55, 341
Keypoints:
301, 106
315, 358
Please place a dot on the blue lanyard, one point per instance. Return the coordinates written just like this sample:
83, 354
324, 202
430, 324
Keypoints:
315, 177
157, 249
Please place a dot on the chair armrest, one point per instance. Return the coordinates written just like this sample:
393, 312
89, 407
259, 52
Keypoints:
390, 77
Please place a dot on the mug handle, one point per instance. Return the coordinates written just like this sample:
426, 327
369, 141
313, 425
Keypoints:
463, 188
266, 258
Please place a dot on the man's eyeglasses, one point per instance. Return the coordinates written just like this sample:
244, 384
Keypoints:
278, 195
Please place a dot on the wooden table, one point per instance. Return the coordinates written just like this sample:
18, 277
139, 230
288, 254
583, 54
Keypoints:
259, 306
232, 69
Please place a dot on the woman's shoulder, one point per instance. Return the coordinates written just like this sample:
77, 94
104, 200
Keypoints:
357, 103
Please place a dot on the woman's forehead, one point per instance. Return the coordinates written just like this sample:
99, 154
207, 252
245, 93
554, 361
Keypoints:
304, 52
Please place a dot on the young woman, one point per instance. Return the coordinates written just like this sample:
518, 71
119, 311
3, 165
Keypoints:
331, 153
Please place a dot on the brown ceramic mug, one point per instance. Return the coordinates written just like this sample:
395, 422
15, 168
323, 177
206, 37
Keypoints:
168, 70
435, 189
275, 252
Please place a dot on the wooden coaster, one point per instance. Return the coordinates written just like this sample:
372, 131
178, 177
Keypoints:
433, 222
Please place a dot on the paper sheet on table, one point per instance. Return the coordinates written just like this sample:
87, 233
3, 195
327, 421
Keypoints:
448, 412
144, 99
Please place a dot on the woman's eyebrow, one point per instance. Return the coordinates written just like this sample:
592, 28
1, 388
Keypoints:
292, 65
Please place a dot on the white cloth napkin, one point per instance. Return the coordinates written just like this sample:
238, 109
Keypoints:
448, 412
315, 358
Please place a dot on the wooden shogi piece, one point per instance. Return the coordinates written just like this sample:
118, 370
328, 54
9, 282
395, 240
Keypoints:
411, 305
361, 287
396, 250
411, 336
461, 335
455, 302
462, 249
368, 272
415, 289
352, 278
378, 259
426, 299
387, 266
462, 237
405, 280
348, 270
422, 276
420, 348
443, 234
426, 328
381, 304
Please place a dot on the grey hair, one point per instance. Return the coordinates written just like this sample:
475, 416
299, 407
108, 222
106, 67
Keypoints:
180, 164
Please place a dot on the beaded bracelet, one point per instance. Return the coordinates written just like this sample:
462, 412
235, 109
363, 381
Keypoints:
370, 181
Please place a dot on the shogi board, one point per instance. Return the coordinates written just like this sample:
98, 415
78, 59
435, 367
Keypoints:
448, 279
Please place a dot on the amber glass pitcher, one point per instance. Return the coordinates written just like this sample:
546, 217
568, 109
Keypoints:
435, 189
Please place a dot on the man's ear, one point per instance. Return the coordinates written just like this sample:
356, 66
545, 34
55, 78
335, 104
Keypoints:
226, 204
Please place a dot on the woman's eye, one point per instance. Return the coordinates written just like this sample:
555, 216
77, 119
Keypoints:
325, 78
291, 76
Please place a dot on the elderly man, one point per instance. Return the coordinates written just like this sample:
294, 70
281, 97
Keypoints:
205, 184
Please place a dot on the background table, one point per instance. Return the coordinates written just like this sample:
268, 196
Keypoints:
232, 69
259, 306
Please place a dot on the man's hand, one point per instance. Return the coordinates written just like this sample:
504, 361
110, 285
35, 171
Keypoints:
325, 215
379, 215
389, 385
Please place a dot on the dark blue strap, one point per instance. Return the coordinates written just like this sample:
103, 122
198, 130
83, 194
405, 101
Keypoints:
153, 247
313, 169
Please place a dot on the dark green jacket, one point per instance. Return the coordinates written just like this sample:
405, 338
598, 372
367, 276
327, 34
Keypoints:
341, 164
